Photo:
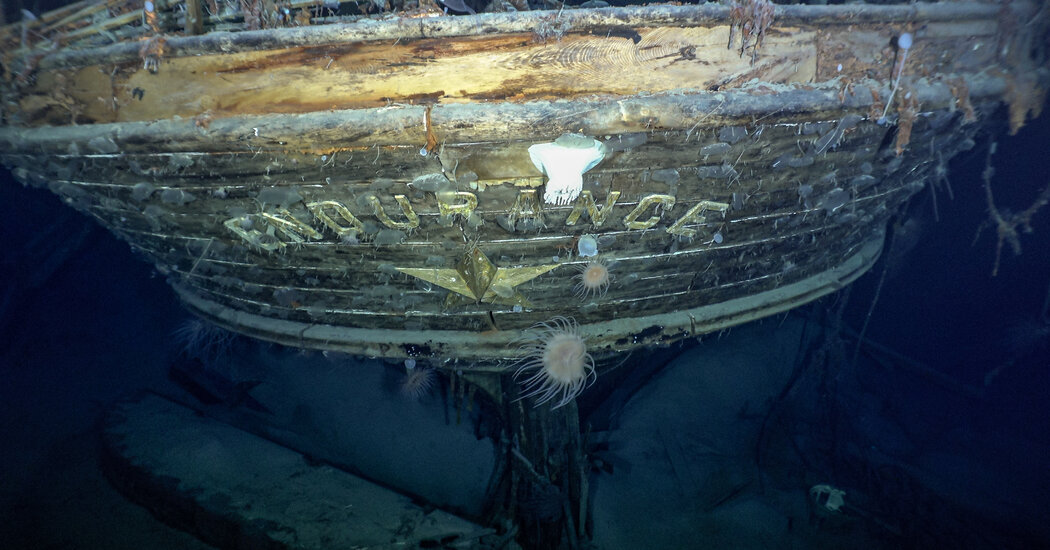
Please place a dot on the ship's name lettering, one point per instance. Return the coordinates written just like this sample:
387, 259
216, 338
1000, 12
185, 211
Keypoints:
461, 205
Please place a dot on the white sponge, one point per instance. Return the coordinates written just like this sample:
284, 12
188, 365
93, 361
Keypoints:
563, 162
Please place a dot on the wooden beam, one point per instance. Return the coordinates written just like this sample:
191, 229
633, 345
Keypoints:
194, 17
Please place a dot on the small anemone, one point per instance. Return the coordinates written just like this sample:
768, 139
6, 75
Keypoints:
417, 381
593, 280
202, 340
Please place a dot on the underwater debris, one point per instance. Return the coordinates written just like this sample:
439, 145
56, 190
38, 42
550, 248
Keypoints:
1006, 225
961, 92
828, 497
551, 27
754, 17
152, 51
1024, 98
906, 113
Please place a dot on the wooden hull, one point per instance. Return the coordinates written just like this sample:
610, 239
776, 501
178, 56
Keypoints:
365, 188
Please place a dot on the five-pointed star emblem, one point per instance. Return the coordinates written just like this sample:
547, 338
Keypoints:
476, 280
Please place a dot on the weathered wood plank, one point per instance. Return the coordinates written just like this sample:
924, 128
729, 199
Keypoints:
349, 72
374, 74
778, 230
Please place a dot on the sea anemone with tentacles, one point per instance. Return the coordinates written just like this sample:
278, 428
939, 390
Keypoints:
556, 363
592, 281
417, 381
202, 340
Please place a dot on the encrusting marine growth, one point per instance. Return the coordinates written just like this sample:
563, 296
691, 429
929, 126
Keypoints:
563, 162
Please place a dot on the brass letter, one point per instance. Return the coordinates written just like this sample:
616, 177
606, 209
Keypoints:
586, 201
317, 209
448, 209
695, 215
413, 219
289, 226
666, 202
252, 236
525, 207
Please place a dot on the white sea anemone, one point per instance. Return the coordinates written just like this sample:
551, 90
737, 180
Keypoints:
593, 280
555, 362
202, 340
417, 381
563, 162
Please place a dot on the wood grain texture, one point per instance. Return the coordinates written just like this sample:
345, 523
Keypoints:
519, 66
374, 74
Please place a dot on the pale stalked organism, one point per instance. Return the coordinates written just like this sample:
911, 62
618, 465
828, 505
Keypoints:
556, 364
563, 162
903, 45
592, 280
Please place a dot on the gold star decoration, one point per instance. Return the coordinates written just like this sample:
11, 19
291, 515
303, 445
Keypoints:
476, 280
